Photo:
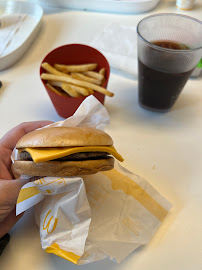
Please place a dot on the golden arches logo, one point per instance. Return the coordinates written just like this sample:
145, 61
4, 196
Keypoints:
48, 223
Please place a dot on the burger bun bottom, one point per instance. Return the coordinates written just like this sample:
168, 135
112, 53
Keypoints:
61, 168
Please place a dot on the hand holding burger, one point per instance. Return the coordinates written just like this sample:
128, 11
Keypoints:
10, 187
49, 151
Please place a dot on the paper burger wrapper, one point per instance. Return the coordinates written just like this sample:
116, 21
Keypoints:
88, 218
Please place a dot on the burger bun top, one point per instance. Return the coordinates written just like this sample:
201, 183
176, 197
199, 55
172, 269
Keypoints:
65, 137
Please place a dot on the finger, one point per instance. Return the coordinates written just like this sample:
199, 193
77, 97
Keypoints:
10, 189
5, 172
7, 224
9, 192
22, 182
10, 139
8, 142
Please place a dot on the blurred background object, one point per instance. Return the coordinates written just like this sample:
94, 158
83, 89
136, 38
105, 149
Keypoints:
185, 4
111, 6
19, 25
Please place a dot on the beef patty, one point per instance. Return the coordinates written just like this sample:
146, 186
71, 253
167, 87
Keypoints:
73, 157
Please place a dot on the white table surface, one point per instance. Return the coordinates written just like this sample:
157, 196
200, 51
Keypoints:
165, 148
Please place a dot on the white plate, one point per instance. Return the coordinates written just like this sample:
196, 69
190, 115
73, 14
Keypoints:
19, 24
113, 6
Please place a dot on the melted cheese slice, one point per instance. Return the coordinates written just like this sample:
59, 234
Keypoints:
46, 154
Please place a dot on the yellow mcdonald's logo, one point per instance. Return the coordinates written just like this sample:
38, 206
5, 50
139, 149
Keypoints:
48, 223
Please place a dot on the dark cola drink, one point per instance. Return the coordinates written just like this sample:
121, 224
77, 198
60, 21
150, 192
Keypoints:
159, 90
170, 45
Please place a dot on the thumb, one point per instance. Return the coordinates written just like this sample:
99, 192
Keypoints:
22, 181
7, 224
10, 189
19, 183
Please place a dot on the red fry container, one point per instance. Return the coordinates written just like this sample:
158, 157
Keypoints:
74, 54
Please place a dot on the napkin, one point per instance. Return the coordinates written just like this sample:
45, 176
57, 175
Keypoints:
88, 218
118, 42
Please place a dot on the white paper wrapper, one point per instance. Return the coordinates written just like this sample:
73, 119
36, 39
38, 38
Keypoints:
118, 43
125, 213
85, 219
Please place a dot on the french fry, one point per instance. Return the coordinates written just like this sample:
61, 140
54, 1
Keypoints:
75, 68
91, 91
52, 70
70, 90
94, 75
81, 90
58, 84
102, 72
59, 92
52, 77
82, 77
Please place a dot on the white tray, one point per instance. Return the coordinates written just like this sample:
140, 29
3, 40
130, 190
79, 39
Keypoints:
17, 36
112, 6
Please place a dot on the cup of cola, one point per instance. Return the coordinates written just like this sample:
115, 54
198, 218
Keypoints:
169, 48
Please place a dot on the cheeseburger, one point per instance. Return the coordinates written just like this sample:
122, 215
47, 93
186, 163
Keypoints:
65, 151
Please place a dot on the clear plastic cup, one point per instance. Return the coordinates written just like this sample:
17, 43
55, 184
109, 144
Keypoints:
163, 71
